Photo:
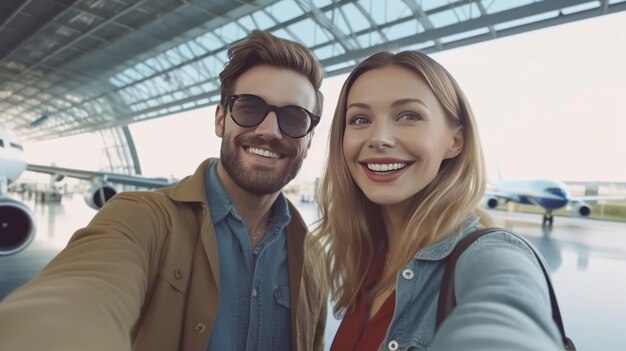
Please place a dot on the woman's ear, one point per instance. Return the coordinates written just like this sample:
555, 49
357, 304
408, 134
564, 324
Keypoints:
458, 141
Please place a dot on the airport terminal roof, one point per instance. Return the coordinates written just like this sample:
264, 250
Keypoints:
72, 66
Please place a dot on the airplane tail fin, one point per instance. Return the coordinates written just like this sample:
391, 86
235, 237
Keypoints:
500, 179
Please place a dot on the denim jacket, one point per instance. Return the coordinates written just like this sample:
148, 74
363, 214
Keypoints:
502, 298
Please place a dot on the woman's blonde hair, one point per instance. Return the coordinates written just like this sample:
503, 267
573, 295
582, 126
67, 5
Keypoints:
351, 226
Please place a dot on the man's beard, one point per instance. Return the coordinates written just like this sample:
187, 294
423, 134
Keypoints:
258, 181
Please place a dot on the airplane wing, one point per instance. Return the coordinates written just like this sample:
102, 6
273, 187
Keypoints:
504, 196
592, 198
521, 197
135, 180
21, 220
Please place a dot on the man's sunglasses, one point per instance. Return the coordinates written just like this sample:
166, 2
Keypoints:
249, 110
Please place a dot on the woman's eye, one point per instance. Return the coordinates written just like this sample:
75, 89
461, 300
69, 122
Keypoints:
359, 120
409, 117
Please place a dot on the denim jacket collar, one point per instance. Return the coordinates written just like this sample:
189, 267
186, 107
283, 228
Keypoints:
444, 247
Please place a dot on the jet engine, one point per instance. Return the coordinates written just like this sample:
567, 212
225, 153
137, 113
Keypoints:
580, 209
489, 201
99, 194
17, 226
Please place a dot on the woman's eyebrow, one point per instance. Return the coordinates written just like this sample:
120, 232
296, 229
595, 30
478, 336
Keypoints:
358, 104
406, 101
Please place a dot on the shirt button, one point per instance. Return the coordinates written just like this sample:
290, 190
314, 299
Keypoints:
178, 273
393, 345
200, 328
254, 293
408, 274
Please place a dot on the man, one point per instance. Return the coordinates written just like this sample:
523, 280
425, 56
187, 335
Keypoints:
214, 263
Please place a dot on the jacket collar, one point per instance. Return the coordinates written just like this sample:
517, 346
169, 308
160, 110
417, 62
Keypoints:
444, 247
193, 188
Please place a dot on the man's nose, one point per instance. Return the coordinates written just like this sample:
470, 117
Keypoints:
269, 127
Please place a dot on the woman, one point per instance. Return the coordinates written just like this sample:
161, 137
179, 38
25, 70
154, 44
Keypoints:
402, 184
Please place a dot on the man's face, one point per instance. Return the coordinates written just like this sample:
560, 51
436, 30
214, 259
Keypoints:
261, 159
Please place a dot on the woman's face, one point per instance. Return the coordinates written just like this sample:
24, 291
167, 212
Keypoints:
396, 134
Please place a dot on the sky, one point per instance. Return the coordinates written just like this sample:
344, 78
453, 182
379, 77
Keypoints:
549, 104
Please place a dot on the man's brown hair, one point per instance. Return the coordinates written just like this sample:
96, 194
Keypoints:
262, 48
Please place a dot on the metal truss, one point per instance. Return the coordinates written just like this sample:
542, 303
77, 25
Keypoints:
96, 64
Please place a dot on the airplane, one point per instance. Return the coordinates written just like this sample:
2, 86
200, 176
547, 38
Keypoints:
551, 195
17, 222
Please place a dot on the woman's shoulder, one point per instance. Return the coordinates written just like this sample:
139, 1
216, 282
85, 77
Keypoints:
500, 238
501, 252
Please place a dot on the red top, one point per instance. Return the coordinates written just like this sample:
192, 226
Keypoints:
356, 332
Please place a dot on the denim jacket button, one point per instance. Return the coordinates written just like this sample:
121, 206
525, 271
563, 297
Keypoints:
393, 345
408, 274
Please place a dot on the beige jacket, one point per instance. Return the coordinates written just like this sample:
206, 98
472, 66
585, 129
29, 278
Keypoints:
144, 275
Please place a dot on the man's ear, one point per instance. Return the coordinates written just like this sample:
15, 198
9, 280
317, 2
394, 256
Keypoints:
219, 120
308, 145
458, 141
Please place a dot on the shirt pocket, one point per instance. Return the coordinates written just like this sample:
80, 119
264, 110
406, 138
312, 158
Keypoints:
281, 326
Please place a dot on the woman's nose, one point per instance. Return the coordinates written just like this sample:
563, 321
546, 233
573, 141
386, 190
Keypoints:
382, 136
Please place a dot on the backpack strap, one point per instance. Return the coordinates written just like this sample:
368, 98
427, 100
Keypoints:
447, 298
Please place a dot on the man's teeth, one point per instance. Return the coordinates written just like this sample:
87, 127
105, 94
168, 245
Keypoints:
377, 167
261, 152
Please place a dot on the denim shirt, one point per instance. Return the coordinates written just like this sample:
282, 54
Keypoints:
502, 298
253, 311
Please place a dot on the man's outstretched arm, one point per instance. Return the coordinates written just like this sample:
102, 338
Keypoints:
89, 296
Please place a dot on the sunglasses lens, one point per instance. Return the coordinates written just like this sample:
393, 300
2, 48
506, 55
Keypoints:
249, 111
294, 121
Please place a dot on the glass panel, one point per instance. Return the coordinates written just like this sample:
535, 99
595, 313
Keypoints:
526, 20
324, 52
262, 20
384, 11
247, 23
306, 31
339, 66
581, 7
358, 22
321, 3
337, 19
163, 63
464, 35
443, 19
284, 10
396, 9
209, 41
420, 46
209, 86
282, 33
403, 30
230, 32
222, 56
467, 12
493, 6
433, 4
369, 39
